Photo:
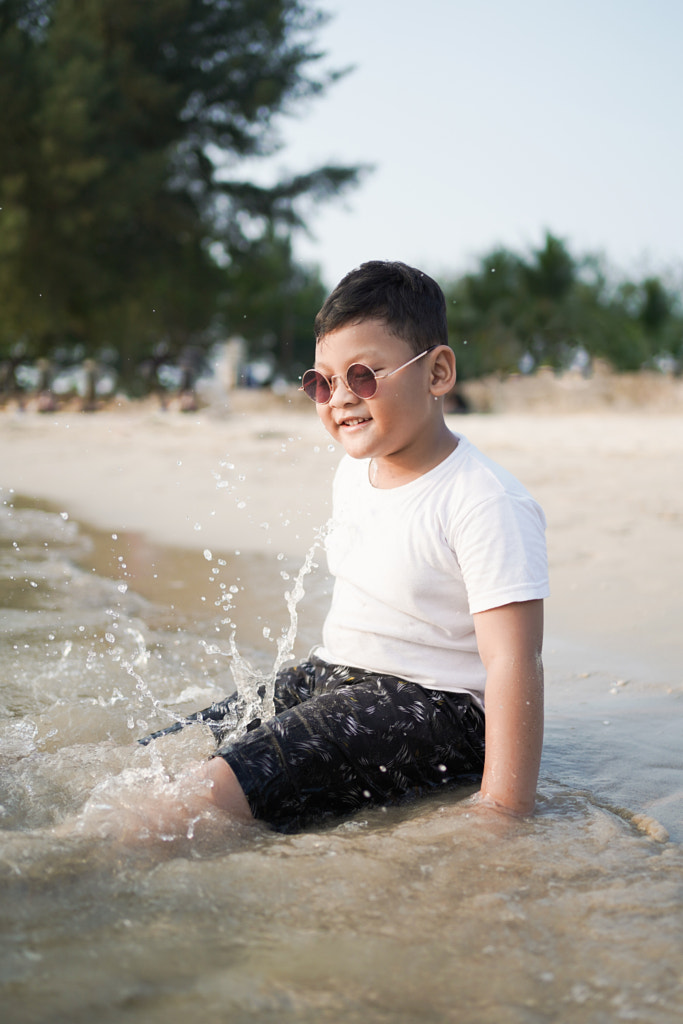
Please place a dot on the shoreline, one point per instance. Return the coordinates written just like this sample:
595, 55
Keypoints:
260, 481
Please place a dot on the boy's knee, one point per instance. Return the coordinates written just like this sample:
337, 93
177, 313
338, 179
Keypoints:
226, 792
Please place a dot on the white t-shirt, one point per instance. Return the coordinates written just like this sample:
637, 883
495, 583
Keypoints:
412, 564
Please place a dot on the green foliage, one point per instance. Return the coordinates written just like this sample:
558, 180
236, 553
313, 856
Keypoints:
520, 311
122, 131
271, 302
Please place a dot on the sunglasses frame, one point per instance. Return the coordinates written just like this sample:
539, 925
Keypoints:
344, 378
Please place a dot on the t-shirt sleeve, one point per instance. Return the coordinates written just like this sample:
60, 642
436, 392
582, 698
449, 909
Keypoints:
501, 550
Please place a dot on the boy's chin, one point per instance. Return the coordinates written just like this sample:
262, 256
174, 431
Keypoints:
356, 449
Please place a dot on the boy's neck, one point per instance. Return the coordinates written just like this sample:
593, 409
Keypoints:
387, 473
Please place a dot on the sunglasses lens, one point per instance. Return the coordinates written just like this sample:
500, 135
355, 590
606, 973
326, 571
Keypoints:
316, 387
362, 380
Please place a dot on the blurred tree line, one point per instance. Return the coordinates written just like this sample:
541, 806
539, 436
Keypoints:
124, 223
517, 312
127, 230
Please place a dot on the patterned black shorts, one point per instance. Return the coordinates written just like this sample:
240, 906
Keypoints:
343, 739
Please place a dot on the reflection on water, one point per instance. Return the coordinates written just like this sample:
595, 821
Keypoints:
419, 913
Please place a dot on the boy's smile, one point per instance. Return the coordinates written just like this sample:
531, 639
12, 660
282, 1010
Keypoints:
401, 427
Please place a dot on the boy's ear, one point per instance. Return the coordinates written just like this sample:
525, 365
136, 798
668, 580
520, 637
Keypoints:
442, 371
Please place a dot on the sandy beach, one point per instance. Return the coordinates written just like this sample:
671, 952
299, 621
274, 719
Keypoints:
259, 480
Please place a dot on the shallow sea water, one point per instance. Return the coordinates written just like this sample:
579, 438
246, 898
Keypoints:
424, 912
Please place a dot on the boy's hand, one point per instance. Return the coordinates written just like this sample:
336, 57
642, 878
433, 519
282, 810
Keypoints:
510, 642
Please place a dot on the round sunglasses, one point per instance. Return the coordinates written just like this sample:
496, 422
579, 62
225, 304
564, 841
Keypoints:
359, 379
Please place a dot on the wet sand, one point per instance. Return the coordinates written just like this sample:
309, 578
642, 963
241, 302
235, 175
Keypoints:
259, 483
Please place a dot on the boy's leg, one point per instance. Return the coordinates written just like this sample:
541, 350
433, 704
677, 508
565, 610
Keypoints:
373, 739
292, 686
225, 791
178, 805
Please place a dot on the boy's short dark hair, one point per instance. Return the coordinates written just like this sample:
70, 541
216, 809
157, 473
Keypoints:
409, 303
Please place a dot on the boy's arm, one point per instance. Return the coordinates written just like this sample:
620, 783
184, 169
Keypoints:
510, 640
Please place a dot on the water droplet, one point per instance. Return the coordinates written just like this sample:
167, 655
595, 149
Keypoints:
207, 555
197, 526
64, 515
122, 588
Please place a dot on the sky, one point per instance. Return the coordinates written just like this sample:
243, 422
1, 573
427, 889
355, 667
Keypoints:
489, 122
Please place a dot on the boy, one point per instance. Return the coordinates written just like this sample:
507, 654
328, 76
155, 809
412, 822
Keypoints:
439, 562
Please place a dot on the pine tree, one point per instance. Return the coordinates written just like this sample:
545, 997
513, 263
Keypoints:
123, 129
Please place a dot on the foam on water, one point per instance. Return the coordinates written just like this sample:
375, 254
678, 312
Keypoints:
426, 912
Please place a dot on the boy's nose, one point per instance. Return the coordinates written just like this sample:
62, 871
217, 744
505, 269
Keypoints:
341, 392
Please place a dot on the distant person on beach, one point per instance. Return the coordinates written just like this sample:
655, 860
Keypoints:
429, 674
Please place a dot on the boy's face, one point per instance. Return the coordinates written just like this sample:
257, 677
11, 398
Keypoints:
395, 422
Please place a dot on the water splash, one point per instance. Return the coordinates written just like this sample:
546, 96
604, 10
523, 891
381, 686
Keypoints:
254, 696
256, 688
133, 665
